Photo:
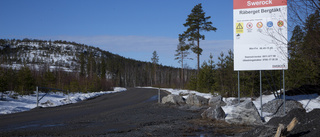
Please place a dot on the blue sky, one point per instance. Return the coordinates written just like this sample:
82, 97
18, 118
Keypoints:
130, 28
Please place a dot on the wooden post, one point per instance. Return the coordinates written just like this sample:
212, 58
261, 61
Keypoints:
292, 124
280, 129
282, 132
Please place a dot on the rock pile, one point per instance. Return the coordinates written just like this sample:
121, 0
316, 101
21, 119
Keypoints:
244, 113
216, 101
195, 100
275, 107
214, 113
174, 99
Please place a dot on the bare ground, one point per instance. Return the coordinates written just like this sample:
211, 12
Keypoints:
131, 113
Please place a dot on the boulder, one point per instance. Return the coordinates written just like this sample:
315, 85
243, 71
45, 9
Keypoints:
275, 107
175, 99
183, 94
216, 101
245, 113
236, 101
214, 113
195, 100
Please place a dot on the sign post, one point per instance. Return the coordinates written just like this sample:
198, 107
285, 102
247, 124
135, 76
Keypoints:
260, 35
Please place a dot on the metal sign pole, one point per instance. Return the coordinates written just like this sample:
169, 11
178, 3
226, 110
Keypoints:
37, 96
284, 95
238, 87
261, 95
158, 95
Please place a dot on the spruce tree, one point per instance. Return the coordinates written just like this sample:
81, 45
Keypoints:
155, 60
26, 82
206, 76
103, 68
3, 82
82, 65
297, 66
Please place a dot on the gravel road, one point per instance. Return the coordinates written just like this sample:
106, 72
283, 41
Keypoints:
134, 112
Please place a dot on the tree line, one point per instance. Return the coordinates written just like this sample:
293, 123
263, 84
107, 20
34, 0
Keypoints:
30, 62
91, 69
220, 77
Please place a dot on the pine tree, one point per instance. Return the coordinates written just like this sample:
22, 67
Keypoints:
181, 55
197, 22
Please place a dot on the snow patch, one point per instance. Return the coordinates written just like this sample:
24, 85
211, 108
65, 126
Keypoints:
26, 102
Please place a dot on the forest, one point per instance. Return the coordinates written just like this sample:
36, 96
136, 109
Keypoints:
76, 67
303, 56
304, 67
64, 65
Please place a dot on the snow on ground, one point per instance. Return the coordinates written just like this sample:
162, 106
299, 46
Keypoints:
24, 103
309, 102
187, 92
27, 102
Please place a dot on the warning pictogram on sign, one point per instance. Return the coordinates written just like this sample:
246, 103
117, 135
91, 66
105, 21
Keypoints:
280, 23
239, 27
259, 25
249, 25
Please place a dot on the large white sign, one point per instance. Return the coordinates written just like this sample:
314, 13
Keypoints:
260, 34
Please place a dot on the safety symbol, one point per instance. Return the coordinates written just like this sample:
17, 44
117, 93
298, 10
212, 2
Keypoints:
270, 24
238, 36
249, 25
259, 25
280, 23
239, 27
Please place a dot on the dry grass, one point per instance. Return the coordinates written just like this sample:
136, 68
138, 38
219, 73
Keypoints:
220, 127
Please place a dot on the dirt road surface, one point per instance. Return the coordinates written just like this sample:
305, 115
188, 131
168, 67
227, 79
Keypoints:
134, 112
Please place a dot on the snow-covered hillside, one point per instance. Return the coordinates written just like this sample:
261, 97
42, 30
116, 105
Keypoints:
70, 58
37, 53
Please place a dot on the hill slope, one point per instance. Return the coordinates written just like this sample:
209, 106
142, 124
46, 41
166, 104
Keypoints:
81, 60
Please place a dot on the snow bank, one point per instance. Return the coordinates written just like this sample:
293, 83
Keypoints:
27, 102
186, 92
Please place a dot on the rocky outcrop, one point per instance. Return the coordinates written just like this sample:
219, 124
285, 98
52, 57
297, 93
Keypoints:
245, 113
195, 100
216, 101
175, 99
214, 113
275, 107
